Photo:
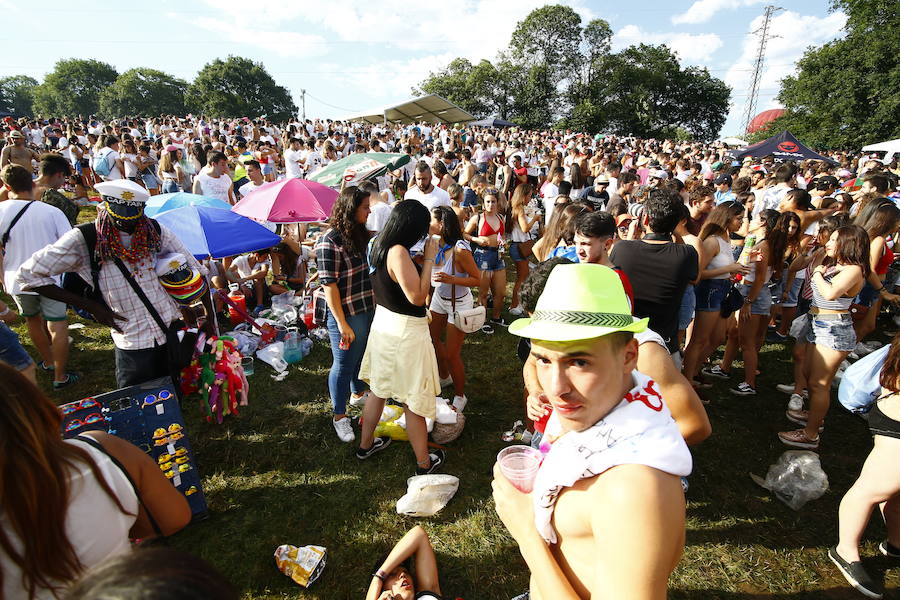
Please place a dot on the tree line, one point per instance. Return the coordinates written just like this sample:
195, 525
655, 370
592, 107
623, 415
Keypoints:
233, 87
558, 72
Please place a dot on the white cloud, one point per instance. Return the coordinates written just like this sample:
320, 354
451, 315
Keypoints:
691, 48
282, 43
702, 11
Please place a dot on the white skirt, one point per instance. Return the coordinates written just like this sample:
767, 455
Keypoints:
399, 362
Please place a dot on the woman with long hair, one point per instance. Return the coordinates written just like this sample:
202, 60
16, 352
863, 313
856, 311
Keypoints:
834, 283
880, 218
878, 484
409, 571
486, 231
453, 275
169, 170
559, 237
66, 505
576, 178
400, 361
344, 274
521, 242
717, 265
785, 292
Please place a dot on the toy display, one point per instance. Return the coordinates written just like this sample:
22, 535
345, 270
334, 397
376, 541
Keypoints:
217, 376
148, 416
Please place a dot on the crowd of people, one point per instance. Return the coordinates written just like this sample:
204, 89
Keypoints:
634, 261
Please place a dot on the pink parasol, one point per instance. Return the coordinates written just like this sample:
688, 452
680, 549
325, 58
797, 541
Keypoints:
288, 201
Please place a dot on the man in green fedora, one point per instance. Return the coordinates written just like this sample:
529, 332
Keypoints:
605, 518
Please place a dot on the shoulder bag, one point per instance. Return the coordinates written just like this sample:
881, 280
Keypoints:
467, 321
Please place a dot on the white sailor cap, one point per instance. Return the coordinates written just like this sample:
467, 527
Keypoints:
123, 191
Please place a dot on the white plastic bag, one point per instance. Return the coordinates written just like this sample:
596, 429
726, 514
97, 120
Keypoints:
796, 478
427, 494
273, 355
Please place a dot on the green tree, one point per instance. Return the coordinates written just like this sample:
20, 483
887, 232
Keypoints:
17, 94
238, 87
73, 88
463, 84
844, 94
143, 92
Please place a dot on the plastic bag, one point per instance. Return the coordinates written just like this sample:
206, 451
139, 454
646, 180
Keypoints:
273, 355
860, 385
427, 494
796, 478
304, 565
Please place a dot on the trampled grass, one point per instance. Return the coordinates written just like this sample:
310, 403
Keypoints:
277, 474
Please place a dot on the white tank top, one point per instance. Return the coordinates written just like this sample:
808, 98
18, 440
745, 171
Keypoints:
723, 258
448, 266
95, 526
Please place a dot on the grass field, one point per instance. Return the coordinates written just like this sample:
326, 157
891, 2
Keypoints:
277, 474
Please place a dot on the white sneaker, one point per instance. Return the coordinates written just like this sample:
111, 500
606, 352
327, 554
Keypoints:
359, 400
459, 402
518, 311
796, 402
344, 430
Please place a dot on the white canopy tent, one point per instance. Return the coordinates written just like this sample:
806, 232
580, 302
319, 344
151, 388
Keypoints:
431, 109
889, 147
733, 141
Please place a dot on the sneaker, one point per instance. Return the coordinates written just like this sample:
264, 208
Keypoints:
798, 439
855, 575
852, 356
801, 417
888, 549
517, 310
796, 402
874, 344
344, 430
716, 371
775, 337
786, 388
358, 399
45, 367
437, 461
445, 381
743, 389
500, 321
459, 403
487, 328
378, 445
71, 379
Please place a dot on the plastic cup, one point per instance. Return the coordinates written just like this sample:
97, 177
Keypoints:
520, 464
247, 364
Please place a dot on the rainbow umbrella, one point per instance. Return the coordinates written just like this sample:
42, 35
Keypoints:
165, 202
851, 185
288, 201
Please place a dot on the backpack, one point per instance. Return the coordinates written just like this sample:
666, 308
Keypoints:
860, 386
103, 166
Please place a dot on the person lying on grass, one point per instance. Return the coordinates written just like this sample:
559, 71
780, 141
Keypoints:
606, 516
393, 578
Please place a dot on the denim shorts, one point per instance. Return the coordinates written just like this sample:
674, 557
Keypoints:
832, 331
11, 350
763, 302
867, 295
793, 294
710, 293
268, 168
686, 312
488, 259
514, 252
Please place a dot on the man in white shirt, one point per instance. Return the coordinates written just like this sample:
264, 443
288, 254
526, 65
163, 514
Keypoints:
213, 180
110, 153
39, 225
550, 191
293, 160
424, 191
314, 160
772, 197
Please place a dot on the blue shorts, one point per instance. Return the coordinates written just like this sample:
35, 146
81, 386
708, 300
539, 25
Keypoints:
832, 331
710, 293
763, 302
11, 350
268, 168
793, 294
867, 295
488, 259
686, 312
514, 252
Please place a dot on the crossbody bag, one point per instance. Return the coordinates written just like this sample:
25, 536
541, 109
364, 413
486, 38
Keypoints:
467, 321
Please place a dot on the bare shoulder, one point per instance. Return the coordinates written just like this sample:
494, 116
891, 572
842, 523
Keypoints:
635, 486
125, 452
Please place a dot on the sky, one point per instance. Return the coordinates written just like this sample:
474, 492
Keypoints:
351, 56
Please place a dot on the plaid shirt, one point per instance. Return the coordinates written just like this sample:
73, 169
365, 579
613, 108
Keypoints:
70, 253
351, 273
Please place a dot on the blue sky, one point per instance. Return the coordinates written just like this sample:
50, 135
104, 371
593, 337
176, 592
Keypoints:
351, 56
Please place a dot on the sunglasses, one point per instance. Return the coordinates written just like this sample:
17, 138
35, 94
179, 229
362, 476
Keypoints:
91, 419
150, 399
68, 409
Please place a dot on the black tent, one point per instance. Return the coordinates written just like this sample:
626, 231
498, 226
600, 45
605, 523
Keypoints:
492, 122
783, 147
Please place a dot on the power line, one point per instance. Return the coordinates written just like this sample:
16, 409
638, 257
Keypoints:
320, 101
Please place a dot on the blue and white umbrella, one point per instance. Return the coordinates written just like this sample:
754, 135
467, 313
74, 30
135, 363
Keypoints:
215, 232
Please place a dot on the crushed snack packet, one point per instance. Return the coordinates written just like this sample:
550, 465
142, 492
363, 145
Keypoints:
304, 565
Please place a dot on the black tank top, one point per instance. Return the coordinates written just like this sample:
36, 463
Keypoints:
389, 294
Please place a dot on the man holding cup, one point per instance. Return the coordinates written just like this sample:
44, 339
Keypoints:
605, 517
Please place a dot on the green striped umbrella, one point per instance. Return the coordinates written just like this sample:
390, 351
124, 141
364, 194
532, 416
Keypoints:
357, 167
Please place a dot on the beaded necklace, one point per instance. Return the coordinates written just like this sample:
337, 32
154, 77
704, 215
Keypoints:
145, 241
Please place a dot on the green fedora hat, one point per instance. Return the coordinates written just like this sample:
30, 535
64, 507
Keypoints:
579, 302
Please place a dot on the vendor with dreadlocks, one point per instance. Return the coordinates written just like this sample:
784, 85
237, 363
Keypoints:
122, 232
